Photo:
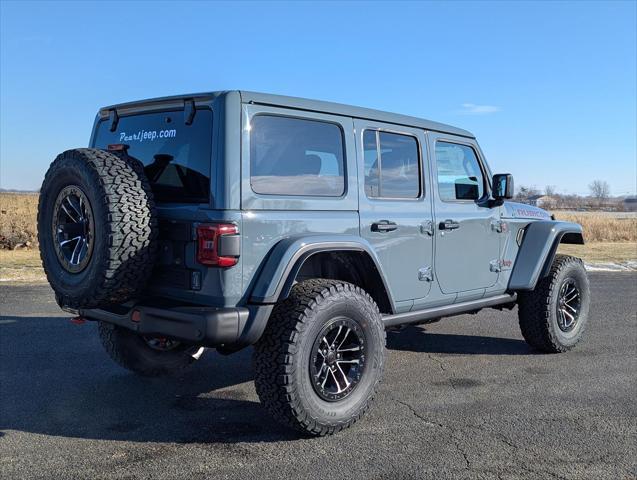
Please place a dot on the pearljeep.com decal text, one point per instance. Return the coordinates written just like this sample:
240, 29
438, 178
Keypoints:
147, 135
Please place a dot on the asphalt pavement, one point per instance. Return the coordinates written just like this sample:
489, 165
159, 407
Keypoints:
461, 398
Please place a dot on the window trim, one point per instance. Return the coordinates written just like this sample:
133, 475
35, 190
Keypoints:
307, 119
485, 183
421, 183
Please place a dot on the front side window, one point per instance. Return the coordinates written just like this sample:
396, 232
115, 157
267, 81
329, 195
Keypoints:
293, 156
392, 165
459, 174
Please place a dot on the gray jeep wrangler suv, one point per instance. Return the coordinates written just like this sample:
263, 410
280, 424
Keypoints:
301, 227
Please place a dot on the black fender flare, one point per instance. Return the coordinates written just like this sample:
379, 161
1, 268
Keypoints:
274, 279
286, 258
537, 251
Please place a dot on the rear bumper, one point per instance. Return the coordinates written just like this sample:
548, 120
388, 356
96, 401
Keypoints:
208, 326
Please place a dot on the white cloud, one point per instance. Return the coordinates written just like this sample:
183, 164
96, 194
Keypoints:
473, 109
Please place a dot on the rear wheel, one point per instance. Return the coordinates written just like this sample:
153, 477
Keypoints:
146, 355
554, 315
321, 357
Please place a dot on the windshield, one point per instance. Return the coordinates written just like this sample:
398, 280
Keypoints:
176, 156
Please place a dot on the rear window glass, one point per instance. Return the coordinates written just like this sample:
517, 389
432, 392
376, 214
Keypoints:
176, 156
292, 156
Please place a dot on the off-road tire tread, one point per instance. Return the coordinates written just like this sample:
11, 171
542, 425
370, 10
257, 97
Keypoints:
534, 309
273, 352
130, 224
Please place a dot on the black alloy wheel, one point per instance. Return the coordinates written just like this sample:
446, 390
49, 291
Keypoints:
73, 229
337, 362
568, 305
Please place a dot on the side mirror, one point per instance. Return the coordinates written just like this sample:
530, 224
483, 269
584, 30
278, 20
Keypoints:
502, 186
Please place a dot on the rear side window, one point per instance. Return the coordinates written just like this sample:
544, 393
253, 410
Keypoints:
176, 156
293, 156
459, 174
392, 165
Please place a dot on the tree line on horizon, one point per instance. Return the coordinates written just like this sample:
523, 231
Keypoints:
550, 198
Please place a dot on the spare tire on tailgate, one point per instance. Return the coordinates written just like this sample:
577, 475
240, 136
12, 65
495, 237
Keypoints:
97, 228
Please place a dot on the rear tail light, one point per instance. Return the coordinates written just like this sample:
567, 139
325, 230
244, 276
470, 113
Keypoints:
208, 243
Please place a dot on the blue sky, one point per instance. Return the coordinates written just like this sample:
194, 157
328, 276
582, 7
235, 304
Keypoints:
549, 88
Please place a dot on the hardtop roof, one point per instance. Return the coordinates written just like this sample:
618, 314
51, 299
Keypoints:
308, 105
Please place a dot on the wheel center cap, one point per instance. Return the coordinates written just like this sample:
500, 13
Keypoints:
331, 357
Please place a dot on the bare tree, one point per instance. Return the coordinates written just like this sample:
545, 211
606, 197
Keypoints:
600, 190
550, 190
524, 193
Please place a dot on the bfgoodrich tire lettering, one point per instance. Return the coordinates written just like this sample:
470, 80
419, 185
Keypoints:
283, 354
124, 227
539, 310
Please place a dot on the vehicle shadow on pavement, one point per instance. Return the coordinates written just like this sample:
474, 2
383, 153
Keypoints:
57, 380
418, 339
67, 386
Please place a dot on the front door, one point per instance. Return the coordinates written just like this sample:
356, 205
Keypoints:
395, 211
467, 242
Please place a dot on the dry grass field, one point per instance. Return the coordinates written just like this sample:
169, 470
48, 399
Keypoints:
22, 266
603, 226
602, 252
609, 237
18, 213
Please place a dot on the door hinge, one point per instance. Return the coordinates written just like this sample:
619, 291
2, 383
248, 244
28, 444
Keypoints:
495, 265
427, 228
425, 274
499, 226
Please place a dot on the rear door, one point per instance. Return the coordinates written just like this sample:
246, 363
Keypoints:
395, 212
467, 244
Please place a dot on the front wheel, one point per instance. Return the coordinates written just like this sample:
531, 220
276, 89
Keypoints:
554, 315
321, 357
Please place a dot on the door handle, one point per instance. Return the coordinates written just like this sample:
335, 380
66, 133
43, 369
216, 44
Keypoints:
384, 226
449, 225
